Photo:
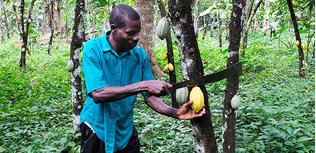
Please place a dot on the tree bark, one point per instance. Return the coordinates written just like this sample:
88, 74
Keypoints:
17, 18
204, 27
47, 16
58, 19
219, 27
226, 27
145, 9
232, 86
172, 74
51, 23
298, 38
1, 30
182, 24
246, 26
266, 17
6, 19
196, 18
88, 21
75, 49
211, 26
25, 31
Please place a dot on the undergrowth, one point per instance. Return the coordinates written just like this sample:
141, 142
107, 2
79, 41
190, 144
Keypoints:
276, 114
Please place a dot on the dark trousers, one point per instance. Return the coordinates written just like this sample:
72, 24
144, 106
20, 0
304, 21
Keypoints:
90, 143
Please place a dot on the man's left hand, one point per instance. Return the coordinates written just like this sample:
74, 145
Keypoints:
185, 112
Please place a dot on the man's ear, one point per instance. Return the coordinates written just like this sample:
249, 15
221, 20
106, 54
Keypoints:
113, 27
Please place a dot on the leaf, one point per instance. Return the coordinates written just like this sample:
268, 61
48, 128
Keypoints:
102, 2
260, 19
63, 140
303, 31
280, 31
303, 138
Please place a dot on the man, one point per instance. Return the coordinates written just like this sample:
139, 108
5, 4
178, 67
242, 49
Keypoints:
116, 70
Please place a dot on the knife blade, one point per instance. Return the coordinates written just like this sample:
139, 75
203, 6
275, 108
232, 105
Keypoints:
235, 69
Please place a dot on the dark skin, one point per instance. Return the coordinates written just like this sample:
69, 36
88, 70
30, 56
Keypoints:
122, 40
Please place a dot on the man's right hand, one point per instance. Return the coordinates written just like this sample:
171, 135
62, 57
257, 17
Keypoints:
156, 87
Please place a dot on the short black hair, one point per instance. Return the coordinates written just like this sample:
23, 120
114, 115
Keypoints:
120, 13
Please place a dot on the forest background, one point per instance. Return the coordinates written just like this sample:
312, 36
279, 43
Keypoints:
277, 87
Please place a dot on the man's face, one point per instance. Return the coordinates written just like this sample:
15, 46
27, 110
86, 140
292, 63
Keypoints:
127, 36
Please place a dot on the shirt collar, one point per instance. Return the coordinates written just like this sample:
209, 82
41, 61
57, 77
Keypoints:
107, 47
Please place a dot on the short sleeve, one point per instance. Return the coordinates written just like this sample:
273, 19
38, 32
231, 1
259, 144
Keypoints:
147, 73
92, 69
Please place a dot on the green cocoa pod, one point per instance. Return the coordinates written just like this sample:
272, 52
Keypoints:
235, 103
163, 28
70, 66
182, 95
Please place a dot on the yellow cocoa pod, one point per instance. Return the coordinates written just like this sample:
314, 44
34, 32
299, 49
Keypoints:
166, 67
303, 46
293, 3
297, 43
256, 47
164, 57
197, 97
170, 66
305, 64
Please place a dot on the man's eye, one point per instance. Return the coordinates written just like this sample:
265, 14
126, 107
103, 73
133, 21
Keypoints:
131, 33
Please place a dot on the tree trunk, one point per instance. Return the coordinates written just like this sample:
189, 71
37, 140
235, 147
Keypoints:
266, 17
226, 27
58, 19
182, 24
75, 49
88, 21
145, 9
65, 27
219, 27
51, 23
298, 38
1, 30
17, 19
172, 74
204, 27
211, 26
94, 20
47, 16
232, 86
25, 31
196, 18
6, 19
246, 26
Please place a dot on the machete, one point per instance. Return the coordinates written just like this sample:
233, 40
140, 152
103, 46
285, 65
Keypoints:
235, 69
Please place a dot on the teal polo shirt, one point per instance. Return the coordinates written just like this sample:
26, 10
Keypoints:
103, 67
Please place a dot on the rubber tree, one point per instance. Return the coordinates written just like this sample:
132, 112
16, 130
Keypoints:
78, 38
191, 62
232, 85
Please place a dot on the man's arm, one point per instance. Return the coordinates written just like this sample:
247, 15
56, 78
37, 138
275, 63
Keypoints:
185, 112
109, 94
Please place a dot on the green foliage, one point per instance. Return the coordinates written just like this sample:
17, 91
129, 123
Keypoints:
35, 107
276, 112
